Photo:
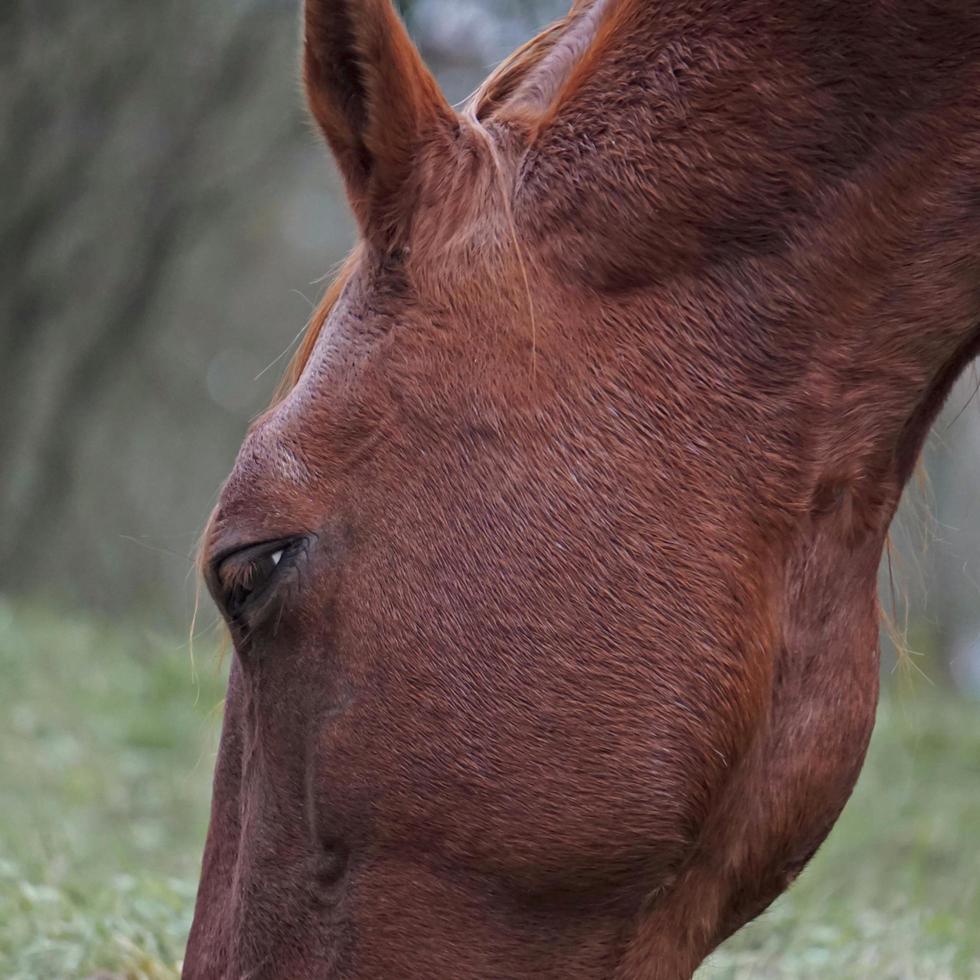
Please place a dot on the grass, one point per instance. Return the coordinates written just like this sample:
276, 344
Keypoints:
106, 747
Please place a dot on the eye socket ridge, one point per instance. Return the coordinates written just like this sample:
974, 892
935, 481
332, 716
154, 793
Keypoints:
249, 573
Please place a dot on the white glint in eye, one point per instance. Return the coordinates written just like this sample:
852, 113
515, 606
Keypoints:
275, 556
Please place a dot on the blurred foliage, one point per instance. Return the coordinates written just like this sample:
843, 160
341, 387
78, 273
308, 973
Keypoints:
107, 738
143, 146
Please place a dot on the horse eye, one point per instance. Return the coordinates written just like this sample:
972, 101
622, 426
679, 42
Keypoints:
244, 574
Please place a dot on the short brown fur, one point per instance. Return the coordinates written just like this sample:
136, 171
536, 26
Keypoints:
567, 671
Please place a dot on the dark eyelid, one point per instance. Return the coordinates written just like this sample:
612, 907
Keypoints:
257, 549
232, 572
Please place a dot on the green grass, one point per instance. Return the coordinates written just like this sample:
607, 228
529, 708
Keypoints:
106, 748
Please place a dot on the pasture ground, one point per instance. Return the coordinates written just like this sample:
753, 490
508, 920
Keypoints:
106, 744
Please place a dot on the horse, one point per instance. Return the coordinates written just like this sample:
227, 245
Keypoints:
551, 570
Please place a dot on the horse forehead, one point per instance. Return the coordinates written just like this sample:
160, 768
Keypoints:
271, 463
279, 450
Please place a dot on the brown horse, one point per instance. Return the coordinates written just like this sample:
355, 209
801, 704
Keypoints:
551, 573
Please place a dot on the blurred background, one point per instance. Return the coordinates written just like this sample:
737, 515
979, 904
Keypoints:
169, 220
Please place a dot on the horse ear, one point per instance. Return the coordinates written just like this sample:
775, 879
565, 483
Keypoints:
377, 104
551, 63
